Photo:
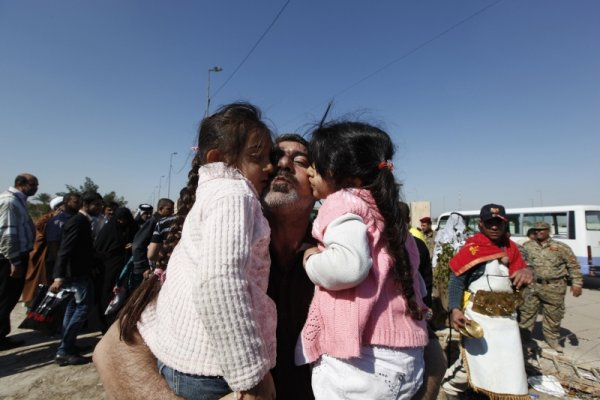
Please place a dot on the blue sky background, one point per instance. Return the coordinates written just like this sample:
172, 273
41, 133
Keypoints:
504, 107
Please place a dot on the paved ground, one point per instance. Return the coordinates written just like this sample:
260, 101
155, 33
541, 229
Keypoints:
29, 372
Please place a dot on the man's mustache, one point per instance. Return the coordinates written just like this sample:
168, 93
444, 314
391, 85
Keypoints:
287, 175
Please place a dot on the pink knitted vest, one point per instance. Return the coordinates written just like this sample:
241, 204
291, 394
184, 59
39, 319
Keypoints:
372, 313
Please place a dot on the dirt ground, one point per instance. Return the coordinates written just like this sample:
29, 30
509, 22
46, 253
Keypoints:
29, 372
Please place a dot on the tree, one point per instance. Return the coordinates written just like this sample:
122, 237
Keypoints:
43, 198
36, 210
90, 186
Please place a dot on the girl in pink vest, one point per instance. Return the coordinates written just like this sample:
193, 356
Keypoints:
365, 330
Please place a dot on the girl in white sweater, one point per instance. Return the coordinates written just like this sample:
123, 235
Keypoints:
210, 323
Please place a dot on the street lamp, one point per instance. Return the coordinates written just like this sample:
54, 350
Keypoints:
213, 69
170, 169
160, 184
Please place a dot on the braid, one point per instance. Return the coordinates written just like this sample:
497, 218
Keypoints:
395, 232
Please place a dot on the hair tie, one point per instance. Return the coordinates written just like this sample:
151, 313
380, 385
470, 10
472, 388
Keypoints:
386, 164
161, 273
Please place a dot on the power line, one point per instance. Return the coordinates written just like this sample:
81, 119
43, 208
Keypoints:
410, 52
190, 153
419, 47
253, 48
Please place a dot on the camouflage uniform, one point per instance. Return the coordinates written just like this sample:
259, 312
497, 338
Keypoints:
553, 263
430, 242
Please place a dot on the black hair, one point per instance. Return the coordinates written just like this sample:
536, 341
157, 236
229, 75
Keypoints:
164, 202
343, 151
89, 197
227, 131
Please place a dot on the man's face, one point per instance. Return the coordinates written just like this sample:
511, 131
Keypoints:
541, 235
31, 187
73, 204
290, 184
425, 227
109, 212
95, 207
493, 228
165, 211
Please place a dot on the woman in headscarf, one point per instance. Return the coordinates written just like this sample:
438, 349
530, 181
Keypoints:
447, 242
113, 247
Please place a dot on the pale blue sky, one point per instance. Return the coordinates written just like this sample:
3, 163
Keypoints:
503, 107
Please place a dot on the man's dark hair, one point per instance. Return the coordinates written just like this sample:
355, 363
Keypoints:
164, 202
69, 195
21, 180
90, 197
291, 137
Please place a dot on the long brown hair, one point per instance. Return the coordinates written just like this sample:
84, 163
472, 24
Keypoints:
227, 131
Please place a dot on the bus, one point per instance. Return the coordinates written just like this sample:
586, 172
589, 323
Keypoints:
577, 226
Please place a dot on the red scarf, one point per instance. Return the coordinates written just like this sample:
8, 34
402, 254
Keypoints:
479, 248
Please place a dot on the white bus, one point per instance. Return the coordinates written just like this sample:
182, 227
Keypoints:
578, 226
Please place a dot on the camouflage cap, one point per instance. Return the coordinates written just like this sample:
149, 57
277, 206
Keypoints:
540, 226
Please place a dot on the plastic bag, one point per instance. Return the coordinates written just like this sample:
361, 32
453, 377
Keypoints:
47, 311
117, 301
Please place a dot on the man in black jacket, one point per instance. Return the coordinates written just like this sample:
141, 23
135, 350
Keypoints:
73, 270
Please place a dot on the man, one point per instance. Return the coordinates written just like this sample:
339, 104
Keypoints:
17, 234
37, 273
429, 234
73, 270
142, 238
70, 206
488, 266
554, 265
130, 372
288, 204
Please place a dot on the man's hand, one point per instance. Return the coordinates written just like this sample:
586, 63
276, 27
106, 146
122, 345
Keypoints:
458, 319
265, 390
56, 285
522, 277
576, 290
16, 272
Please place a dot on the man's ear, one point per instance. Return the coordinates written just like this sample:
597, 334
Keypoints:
213, 155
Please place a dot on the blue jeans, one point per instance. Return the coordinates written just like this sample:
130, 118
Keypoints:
76, 313
194, 386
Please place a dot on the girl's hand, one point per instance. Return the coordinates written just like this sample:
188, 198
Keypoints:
265, 390
307, 253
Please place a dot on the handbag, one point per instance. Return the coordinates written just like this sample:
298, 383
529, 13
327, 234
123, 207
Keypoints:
47, 311
496, 304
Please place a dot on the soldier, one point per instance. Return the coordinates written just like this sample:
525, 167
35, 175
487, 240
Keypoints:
429, 234
554, 264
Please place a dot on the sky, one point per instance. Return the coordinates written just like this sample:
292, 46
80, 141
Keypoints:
486, 101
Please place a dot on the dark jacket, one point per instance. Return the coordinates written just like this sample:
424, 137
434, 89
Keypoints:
76, 255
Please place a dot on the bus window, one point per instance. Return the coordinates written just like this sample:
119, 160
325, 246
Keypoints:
592, 220
513, 224
561, 228
558, 222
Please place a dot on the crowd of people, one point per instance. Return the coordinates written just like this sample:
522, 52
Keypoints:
242, 294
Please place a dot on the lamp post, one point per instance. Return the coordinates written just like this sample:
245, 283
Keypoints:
160, 184
170, 169
213, 69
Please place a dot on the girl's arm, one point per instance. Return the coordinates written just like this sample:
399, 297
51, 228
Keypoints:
346, 260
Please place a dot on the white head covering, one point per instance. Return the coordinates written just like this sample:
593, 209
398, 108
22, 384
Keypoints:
454, 233
56, 202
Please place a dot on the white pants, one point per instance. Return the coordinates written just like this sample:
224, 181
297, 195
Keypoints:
379, 373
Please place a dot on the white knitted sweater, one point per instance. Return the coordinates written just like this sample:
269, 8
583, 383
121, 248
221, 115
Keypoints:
213, 316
